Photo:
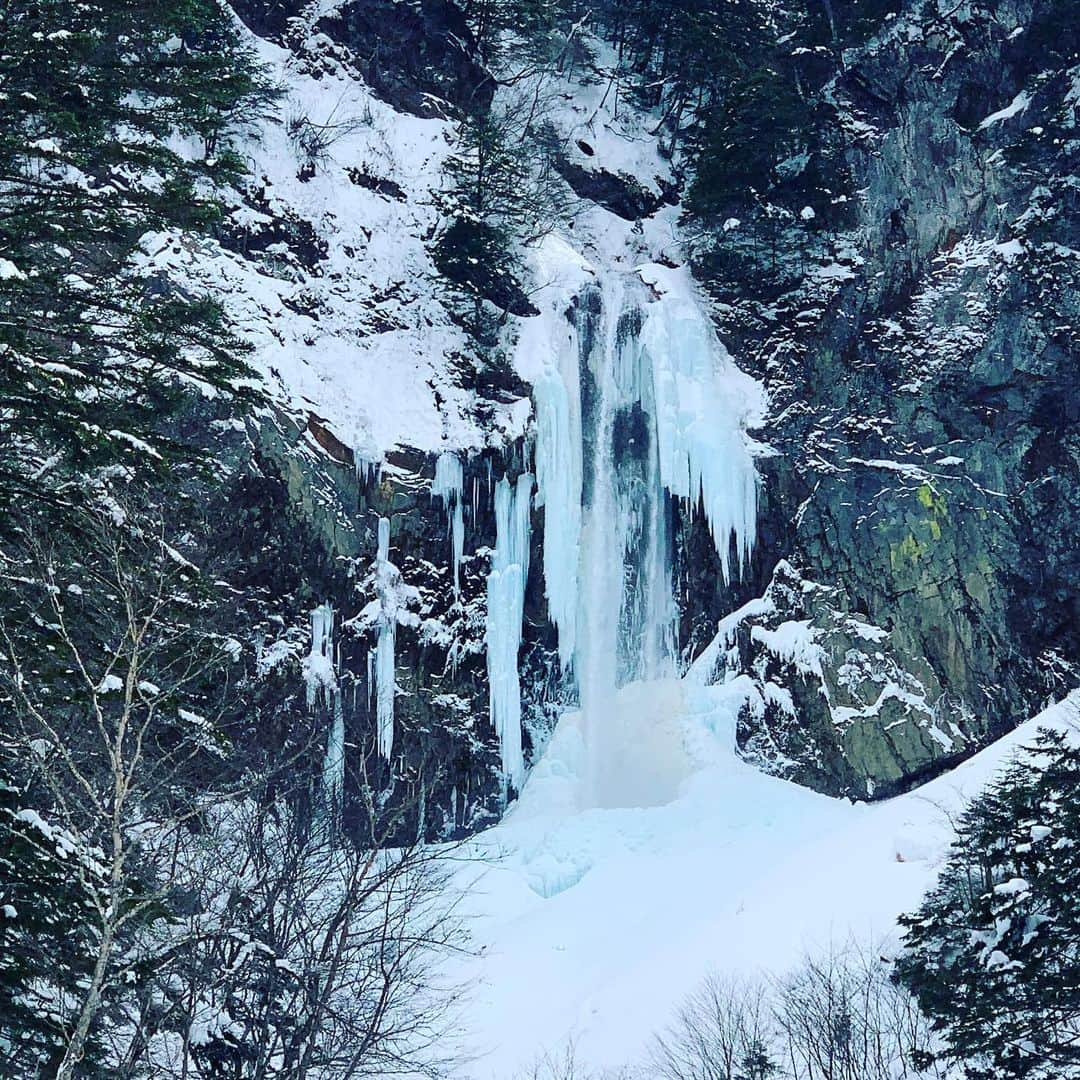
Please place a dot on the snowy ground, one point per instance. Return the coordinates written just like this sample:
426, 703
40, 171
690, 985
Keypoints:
593, 921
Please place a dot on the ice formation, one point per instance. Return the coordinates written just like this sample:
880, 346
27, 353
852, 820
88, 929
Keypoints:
320, 675
700, 413
505, 607
384, 649
448, 486
558, 471
664, 418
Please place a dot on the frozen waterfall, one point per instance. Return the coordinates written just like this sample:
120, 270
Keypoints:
637, 405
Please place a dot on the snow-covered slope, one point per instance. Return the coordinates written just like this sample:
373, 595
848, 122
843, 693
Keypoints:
592, 922
327, 274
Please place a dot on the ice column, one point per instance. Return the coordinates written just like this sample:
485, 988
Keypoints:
323, 686
384, 649
558, 484
447, 486
505, 608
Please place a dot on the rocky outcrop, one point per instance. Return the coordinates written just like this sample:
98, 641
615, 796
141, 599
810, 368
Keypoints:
618, 192
418, 57
922, 369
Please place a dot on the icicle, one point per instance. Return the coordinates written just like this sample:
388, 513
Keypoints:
558, 484
384, 650
448, 486
323, 685
699, 423
319, 666
506, 602
366, 470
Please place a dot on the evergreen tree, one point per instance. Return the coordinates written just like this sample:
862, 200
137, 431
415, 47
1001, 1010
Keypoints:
501, 192
993, 954
113, 123
45, 941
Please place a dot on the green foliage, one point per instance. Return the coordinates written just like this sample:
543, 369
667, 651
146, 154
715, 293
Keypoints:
752, 128
993, 954
475, 256
501, 28
45, 941
114, 118
738, 86
498, 195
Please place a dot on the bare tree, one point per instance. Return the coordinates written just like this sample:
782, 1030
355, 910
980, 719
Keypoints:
222, 923
723, 1031
318, 959
844, 1018
103, 684
564, 1064
838, 1015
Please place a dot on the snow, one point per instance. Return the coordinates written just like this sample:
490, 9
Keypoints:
505, 608
1010, 249
1018, 105
592, 922
9, 271
1013, 887
793, 641
358, 334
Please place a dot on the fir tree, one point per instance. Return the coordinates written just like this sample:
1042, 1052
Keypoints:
993, 954
45, 941
113, 123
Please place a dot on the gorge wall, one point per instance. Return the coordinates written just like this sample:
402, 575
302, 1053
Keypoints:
911, 592
917, 338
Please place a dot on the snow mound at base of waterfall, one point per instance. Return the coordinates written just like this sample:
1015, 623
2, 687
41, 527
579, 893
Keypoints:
593, 921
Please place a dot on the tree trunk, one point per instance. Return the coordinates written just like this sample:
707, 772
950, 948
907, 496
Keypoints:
77, 1046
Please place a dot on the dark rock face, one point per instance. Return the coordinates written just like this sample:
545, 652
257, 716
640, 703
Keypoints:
414, 56
621, 194
268, 18
419, 57
924, 384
